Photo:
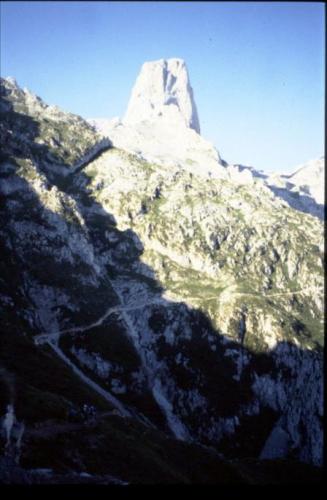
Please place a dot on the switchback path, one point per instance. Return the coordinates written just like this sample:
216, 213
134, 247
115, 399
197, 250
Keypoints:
51, 339
227, 294
45, 337
105, 394
224, 296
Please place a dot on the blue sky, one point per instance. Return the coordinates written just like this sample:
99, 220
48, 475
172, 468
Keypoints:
256, 68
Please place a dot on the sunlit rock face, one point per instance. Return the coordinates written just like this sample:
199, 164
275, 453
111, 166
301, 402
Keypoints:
310, 178
163, 91
161, 123
304, 188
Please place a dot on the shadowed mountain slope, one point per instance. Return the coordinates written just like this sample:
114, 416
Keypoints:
108, 299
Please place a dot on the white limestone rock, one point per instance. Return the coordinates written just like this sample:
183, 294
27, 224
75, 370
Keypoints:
163, 91
161, 124
239, 175
309, 178
302, 190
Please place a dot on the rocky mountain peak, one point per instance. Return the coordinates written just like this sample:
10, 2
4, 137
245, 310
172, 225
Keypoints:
163, 92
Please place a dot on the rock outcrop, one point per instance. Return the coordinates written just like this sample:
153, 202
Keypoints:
302, 190
163, 92
310, 178
161, 123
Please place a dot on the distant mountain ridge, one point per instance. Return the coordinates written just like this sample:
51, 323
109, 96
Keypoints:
310, 178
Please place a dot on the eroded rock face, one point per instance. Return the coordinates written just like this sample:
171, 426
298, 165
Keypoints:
163, 91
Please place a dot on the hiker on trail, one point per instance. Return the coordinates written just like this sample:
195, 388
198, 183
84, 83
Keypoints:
7, 424
13, 431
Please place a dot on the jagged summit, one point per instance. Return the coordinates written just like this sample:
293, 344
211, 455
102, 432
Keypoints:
161, 123
163, 91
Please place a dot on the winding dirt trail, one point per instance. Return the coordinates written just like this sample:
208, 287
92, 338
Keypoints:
46, 337
105, 394
51, 339
227, 294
